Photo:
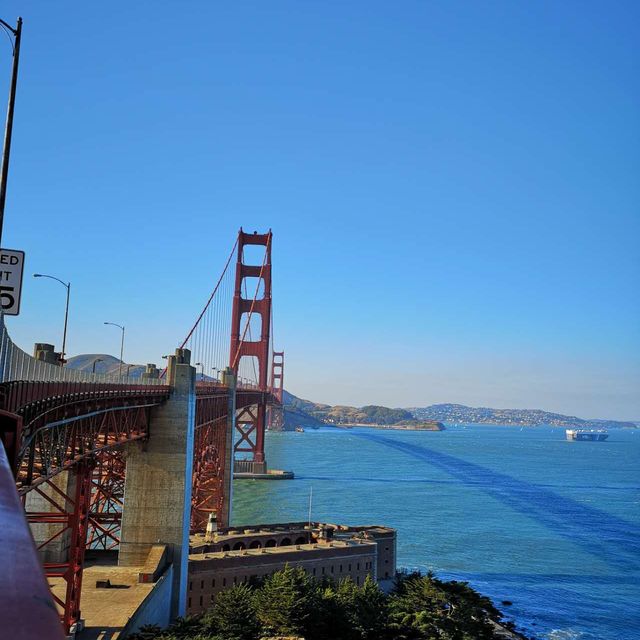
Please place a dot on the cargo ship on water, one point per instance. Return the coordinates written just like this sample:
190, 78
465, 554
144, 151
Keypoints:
592, 435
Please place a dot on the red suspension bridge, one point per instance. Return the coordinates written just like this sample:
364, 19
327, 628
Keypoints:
116, 463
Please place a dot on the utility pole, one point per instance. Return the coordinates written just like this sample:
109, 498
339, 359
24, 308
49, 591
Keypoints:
6, 150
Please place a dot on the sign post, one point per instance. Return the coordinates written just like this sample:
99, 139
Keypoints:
11, 270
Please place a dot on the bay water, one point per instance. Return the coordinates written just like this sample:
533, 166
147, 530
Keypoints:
522, 514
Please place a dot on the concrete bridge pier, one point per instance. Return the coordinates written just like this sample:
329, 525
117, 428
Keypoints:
157, 493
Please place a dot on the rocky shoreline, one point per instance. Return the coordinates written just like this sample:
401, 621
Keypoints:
504, 633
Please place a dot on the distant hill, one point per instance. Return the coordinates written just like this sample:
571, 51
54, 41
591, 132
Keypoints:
444, 413
459, 413
314, 413
296, 418
370, 414
109, 365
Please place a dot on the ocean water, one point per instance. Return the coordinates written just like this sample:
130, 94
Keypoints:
523, 515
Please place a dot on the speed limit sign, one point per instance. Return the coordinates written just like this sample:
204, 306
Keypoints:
11, 268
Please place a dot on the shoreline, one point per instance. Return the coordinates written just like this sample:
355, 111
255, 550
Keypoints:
392, 427
504, 633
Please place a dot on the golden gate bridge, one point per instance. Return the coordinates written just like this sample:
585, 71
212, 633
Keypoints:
112, 462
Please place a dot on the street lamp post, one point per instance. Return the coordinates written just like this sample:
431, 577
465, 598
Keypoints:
66, 312
6, 150
114, 324
215, 373
200, 364
95, 362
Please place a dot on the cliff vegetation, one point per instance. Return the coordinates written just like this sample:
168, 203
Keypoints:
291, 604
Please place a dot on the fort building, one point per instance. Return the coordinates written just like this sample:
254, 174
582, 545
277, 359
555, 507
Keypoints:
222, 558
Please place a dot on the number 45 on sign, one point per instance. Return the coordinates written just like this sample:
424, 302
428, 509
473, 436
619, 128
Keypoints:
11, 268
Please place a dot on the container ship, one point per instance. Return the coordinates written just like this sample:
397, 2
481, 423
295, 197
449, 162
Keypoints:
593, 435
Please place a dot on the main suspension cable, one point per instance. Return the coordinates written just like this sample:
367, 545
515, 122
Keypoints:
206, 306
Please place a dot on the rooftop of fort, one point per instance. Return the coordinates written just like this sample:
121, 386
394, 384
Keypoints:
261, 554
282, 535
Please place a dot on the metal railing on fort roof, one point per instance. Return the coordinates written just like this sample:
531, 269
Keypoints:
15, 364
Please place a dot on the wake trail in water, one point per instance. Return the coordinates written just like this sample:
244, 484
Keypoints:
612, 539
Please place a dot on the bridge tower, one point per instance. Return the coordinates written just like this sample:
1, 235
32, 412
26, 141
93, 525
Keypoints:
251, 421
277, 375
276, 411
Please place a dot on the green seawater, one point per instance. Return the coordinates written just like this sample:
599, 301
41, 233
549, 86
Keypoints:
522, 514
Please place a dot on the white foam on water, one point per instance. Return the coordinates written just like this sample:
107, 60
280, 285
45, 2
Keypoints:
564, 634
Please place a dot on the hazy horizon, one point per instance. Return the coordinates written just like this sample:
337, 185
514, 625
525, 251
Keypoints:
405, 406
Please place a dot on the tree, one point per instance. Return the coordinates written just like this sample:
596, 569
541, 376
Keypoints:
146, 632
283, 602
233, 615
183, 629
370, 610
328, 617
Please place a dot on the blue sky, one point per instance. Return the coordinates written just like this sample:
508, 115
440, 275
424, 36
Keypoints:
452, 188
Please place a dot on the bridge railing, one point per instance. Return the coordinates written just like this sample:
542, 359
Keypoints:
15, 364
27, 609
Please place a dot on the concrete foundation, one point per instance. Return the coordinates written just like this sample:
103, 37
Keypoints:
157, 497
249, 466
252, 470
